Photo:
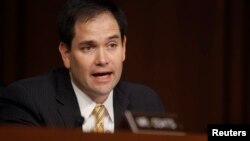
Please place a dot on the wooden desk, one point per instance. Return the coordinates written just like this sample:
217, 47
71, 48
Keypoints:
8, 133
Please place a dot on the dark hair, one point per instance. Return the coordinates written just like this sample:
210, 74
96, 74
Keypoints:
74, 10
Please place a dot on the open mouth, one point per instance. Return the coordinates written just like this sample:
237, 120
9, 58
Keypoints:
102, 74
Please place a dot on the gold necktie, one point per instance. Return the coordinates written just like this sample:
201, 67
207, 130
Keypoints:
99, 113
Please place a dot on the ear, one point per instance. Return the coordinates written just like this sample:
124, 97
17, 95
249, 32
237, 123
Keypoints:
65, 54
124, 48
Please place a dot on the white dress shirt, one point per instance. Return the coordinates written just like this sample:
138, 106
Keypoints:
87, 105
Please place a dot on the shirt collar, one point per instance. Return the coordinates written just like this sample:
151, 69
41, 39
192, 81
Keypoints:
87, 105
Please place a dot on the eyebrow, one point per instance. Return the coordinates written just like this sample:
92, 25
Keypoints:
89, 42
86, 43
114, 37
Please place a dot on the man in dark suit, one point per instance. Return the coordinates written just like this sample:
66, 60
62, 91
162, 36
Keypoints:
92, 45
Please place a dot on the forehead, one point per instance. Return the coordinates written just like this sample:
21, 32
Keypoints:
103, 22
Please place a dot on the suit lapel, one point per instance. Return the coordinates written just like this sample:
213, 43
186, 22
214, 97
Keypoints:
121, 103
68, 107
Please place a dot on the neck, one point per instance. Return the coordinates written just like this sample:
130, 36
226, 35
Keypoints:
99, 99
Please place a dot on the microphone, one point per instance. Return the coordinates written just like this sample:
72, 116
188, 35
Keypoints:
79, 121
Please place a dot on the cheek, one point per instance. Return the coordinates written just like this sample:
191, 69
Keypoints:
118, 60
79, 69
81, 62
77, 63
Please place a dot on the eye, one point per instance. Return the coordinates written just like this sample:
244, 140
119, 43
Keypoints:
87, 48
112, 46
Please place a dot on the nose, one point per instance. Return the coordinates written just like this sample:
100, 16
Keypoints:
101, 58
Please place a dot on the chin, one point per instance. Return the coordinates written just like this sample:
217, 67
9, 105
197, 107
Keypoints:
104, 92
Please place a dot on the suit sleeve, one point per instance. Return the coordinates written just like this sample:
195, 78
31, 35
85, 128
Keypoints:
17, 107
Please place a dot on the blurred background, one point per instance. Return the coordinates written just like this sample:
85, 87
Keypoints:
194, 54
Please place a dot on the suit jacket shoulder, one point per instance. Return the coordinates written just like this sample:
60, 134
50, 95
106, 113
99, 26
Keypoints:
135, 98
47, 100
141, 98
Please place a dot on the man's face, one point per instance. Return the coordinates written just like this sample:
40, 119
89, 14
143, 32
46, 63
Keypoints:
96, 57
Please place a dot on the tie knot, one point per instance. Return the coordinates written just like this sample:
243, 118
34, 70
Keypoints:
99, 110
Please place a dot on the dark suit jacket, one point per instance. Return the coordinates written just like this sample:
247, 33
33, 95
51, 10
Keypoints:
49, 100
